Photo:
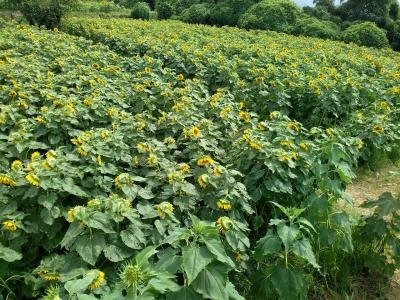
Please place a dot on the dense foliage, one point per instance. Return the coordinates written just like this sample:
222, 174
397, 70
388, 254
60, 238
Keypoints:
93, 6
277, 15
141, 10
292, 72
190, 163
310, 26
284, 15
164, 10
197, 13
367, 34
43, 12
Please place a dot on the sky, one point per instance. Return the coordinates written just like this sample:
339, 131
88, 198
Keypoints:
308, 2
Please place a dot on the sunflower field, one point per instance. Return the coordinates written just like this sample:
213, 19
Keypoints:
159, 160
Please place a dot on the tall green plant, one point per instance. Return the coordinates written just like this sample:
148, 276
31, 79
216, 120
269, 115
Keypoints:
46, 13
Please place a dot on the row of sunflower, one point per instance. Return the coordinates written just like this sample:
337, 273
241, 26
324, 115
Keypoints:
320, 83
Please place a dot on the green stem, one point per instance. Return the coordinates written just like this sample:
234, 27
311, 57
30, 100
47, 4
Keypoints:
4, 284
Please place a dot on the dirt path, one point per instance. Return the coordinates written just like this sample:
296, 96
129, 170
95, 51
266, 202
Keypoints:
371, 185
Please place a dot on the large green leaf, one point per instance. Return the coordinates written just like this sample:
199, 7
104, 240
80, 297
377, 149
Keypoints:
211, 282
163, 282
100, 221
232, 292
145, 193
304, 249
237, 240
217, 248
9, 254
169, 261
287, 234
269, 244
386, 204
116, 253
195, 259
133, 237
185, 293
143, 256
289, 283
89, 248
261, 286
73, 231
79, 285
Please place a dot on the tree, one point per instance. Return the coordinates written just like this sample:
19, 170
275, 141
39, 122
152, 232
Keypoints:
277, 15
328, 4
376, 11
384, 13
141, 10
46, 13
366, 34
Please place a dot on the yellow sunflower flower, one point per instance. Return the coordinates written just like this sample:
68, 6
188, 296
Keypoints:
195, 132
202, 180
5, 180
377, 129
33, 180
97, 282
35, 155
293, 127
205, 161
185, 168
330, 132
244, 116
224, 204
164, 208
224, 224
10, 225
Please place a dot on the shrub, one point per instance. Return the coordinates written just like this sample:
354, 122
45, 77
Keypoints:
366, 34
197, 13
316, 28
228, 12
164, 10
393, 34
277, 15
46, 13
127, 3
141, 10
222, 14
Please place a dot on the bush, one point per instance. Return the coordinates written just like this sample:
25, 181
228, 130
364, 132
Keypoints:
316, 28
228, 12
127, 3
277, 15
223, 14
164, 10
197, 13
46, 13
393, 34
141, 10
366, 34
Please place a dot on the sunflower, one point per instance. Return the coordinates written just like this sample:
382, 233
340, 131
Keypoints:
202, 180
5, 180
9, 225
205, 161
97, 282
195, 132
